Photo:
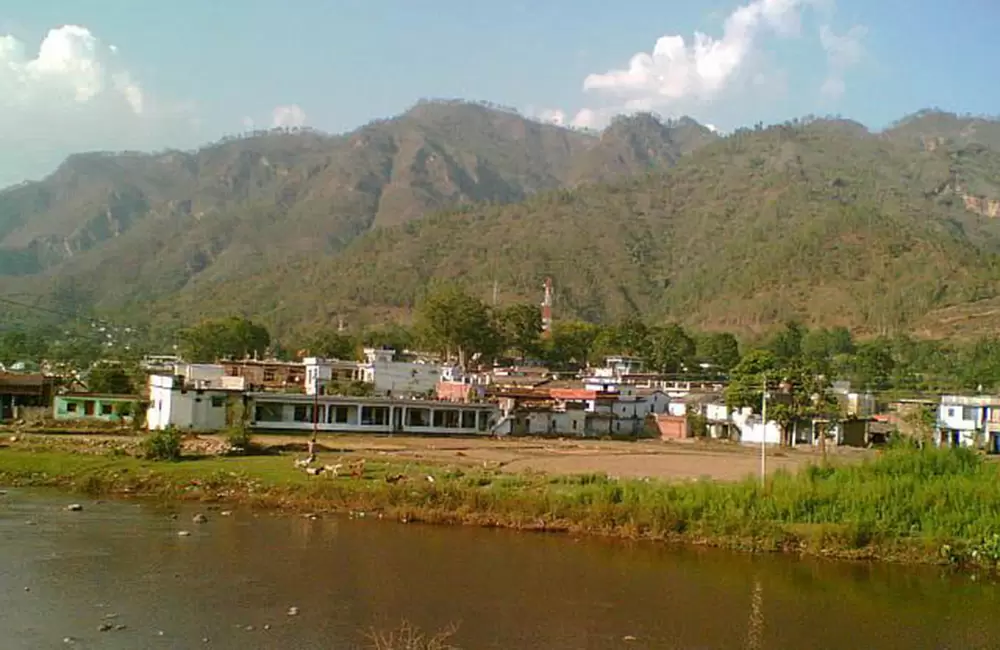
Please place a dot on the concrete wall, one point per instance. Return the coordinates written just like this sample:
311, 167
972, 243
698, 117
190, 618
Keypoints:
196, 410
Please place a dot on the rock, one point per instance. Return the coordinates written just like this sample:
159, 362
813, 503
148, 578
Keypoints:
628, 637
249, 628
293, 611
204, 639
267, 626
159, 633
173, 516
199, 519
69, 639
183, 533
74, 507
226, 513
27, 588
112, 615
14, 439
105, 627
120, 627
31, 523
3, 492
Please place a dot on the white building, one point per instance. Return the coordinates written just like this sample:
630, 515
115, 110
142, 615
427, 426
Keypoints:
320, 373
752, 430
965, 421
392, 377
329, 413
171, 403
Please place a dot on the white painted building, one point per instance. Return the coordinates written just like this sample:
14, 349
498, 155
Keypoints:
752, 430
963, 421
398, 378
291, 412
171, 403
320, 373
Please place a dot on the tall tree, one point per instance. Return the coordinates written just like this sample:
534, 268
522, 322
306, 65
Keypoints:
453, 321
232, 337
668, 349
333, 345
521, 326
110, 378
787, 343
746, 380
720, 349
570, 342
874, 365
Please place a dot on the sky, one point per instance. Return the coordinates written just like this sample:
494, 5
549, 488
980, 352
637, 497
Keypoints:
81, 75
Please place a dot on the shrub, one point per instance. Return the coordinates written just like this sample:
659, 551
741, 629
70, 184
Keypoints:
408, 637
162, 445
238, 438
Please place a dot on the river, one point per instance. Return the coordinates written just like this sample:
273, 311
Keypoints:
63, 574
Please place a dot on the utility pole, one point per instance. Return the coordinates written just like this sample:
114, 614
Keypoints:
763, 437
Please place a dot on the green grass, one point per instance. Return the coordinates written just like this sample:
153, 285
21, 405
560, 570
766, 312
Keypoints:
915, 505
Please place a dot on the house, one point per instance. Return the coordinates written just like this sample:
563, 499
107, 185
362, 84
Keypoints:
174, 404
323, 375
670, 427
333, 413
392, 377
20, 391
966, 421
269, 374
95, 406
208, 375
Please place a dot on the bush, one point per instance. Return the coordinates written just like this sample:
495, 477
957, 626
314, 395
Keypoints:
162, 445
408, 637
238, 438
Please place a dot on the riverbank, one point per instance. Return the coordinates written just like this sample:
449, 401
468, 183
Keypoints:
906, 505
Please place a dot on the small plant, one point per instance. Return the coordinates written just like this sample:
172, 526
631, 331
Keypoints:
239, 440
164, 444
409, 637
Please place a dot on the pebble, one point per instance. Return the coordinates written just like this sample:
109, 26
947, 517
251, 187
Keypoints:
27, 588
31, 523
226, 513
204, 639
105, 627
249, 628
120, 626
68, 639
628, 637
183, 533
159, 633
293, 611
199, 519
267, 626
74, 507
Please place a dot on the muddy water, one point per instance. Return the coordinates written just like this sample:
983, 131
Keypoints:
124, 563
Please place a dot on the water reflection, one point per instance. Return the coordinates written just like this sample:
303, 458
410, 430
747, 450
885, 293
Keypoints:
505, 590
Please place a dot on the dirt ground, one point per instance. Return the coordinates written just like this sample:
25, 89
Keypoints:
648, 458
677, 460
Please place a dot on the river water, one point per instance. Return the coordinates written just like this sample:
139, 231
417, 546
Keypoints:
63, 574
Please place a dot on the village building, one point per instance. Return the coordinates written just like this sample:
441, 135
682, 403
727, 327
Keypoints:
172, 403
23, 391
328, 413
268, 374
324, 376
95, 406
390, 377
969, 421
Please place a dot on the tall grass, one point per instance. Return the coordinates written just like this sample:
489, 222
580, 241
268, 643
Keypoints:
914, 503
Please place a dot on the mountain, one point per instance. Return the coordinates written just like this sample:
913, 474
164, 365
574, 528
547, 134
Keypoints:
304, 192
815, 219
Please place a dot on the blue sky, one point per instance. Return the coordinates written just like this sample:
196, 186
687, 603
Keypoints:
145, 75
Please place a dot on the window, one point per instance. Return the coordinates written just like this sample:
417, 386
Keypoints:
88, 408
303, 413
468, 419
107, 409
574, 425
269, 413
269, 374
416, 417
339, 414
218, 401
375, 415
71, 407
951, 413
484, 420
969, 413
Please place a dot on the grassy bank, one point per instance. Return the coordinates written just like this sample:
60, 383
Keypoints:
906, 505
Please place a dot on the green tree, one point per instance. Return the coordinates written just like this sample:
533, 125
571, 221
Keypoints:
786, 344
390, 335
453, 321
720, 349
874, 365
570, 342
110, 378
668, 349
520, 325
333, 345
746, 380
232, 337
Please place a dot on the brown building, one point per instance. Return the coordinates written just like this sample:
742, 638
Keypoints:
18, 391
269, 374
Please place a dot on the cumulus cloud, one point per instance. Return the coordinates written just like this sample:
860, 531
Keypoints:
72, 95
682, 75
842, 52
289, 116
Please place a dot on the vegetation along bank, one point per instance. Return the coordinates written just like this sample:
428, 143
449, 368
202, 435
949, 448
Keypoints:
907, 505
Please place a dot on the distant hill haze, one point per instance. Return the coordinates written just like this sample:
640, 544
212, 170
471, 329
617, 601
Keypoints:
818, 220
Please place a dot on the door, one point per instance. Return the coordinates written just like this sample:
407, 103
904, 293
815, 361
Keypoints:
397, 418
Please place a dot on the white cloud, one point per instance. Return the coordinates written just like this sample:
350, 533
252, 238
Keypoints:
73, 95
288, 116
707, 73
842, 52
